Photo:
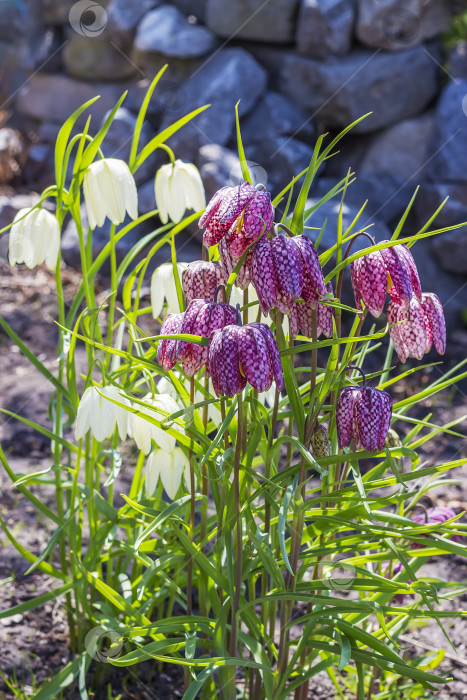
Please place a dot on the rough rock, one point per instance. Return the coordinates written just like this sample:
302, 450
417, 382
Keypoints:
276, 116
450, 135
403, 149
218, 167
457, 60
123, 16
166, 31
230, 75
97, 59
196, 8
330, 211
399, 24
146, 197
48, 52
324, 27
448, 247
117, 143
279, 160
57, 96
256, 20
338, 91
387, 195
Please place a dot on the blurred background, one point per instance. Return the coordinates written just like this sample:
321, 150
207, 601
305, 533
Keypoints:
298, 67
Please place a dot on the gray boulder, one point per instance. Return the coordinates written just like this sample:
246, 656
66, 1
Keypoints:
12, 20
450, 135
123, 16
336, 92
404, 149
279, 160
197, 8
218, 167
325, 27
457, 60
276, 116
117, 143
97, 59
230, 75
166, 31
256, 20
146, 197
399, 24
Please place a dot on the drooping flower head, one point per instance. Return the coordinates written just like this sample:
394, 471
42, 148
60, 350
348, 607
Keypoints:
34, 238
238, 354
285, 269
200, 280
167, 347
364, 414
98, 413
418, 326
109, 191
159, 407
301, 318
201, 317
390, 270
178, 186
240, 213
171, 467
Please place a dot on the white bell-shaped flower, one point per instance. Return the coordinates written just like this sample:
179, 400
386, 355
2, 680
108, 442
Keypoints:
170, 466
163, 287
34, 238
165, 386
143, 431
178, 186
99, 415
109, 191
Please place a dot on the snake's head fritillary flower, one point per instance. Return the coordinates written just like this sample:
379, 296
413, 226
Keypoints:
417, 327
285, 269
238, 354
144, 432
255, 221
178, 187
163, 288
228, 263
171, 467
301, 318
390, 270
200, 280
223, 209
109, 191
437, 516
364, 414
34, 238
201, 317
167, 347
98, 413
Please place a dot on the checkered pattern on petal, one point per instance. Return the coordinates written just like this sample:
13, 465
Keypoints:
228, 264
354, 278
222, 210
263, 275
345, 414
405, 253
273, 350
401, 289
188, 325
394, 332
254, 357
434, 316
313, 280
202, 319
201, 279
371, 275
258, 215
288, 265
373, 410
414, 331
167, 348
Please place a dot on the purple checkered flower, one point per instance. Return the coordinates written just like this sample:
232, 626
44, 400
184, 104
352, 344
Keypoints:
390, 270
300, 318
364, 414
201, 279
285, 269
201, 318
167, 348
436, 516
228, 263
241, 214
419, 326
238, 354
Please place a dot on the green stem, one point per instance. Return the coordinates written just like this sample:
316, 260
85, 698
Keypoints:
238, 513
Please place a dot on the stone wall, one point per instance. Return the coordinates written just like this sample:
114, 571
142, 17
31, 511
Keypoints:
298, 67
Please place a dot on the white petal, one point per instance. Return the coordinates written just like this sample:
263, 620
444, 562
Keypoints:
157, 292
83, 418
94, 208
153, 467
177, 201
160, 193
115, 183
194, 188
141, 430
102, 415
51, 255
121, 414
171, 476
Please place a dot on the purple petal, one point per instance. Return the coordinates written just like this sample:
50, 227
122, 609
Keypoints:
167, 348
405, 253
394, 332
399, 271
354, 278
212, 207
234, 202
373, 282
413, 330
201, 279
263, 275
434, 315
313, 280
288, 266
373, 410
228, 264
345, 414
273, 350
224, 362
258, 215
188, 326
254, 357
